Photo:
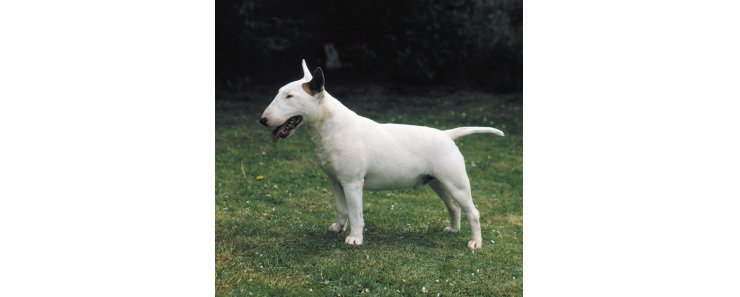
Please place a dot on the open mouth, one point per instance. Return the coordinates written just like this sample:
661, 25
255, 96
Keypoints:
286, 129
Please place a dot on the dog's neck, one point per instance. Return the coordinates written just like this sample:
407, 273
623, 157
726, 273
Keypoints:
329, 111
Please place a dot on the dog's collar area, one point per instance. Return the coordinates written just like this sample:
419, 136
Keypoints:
287, 128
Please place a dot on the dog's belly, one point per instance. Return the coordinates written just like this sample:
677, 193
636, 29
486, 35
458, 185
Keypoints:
379, 182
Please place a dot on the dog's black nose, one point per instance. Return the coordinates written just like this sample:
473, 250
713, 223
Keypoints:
263, 121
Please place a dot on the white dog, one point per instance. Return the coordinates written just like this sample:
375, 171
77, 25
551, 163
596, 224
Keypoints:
360, 154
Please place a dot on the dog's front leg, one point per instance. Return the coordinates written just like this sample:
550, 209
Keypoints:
353, 197
340, 203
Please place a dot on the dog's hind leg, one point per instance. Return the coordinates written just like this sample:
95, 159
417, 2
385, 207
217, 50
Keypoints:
465, 199
452, 207
453, 181
466, 202
340, 204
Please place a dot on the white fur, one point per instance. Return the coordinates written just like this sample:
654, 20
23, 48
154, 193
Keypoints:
360, 154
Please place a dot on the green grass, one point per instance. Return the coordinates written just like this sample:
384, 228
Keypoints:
272, 237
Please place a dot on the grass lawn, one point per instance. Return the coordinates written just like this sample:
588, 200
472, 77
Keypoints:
272, 237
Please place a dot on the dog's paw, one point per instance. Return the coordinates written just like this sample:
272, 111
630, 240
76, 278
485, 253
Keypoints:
450, 230
353, 240
336, 228
475, 244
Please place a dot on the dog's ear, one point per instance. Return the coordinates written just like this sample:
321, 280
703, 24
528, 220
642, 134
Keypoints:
306, 74
316, 85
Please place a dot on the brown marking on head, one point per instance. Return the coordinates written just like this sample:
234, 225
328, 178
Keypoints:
308, 89
316, 85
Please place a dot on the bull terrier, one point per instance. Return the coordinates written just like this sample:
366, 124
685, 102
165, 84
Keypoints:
359, 154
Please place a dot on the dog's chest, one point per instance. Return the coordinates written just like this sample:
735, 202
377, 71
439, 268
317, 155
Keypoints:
340, 156
328, 154
323, 157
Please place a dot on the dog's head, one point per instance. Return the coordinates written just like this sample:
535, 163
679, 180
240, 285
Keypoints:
295, 102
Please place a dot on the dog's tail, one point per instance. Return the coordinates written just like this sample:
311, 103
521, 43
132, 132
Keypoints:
464, 131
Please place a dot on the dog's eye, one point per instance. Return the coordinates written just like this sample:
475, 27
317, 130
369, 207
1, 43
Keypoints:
289, 96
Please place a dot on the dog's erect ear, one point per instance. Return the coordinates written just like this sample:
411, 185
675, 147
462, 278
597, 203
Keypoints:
316, 85
306, 74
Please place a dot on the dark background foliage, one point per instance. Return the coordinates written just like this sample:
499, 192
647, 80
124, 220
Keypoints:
463, 43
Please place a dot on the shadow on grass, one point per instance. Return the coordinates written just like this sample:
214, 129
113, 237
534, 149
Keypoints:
315, 241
